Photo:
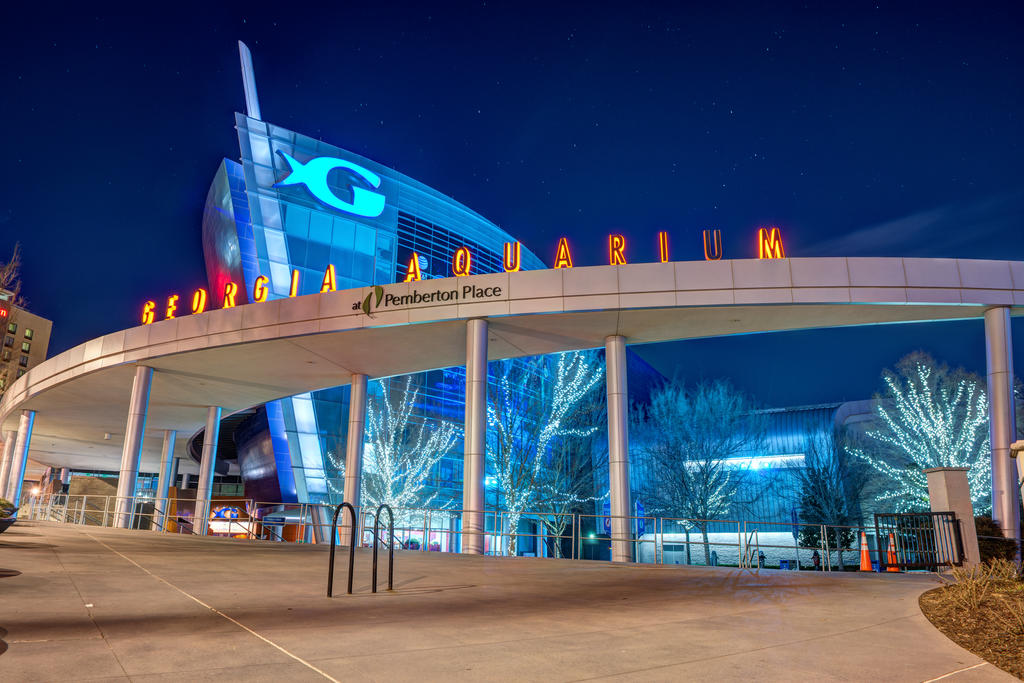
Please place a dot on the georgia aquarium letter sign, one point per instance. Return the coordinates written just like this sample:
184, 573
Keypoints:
313, 174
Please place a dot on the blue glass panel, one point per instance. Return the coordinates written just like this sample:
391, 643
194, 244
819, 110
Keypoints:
344, 233
320, 228
296, 221
365, 238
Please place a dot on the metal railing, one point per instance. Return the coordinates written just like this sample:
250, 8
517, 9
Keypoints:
652, 540
920, 540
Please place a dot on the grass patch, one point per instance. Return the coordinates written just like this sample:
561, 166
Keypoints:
982, 610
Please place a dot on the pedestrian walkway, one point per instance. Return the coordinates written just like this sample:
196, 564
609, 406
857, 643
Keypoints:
81, 603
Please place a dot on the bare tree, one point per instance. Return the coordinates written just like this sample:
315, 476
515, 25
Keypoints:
530, 408
828, 490
10, 277
686, 438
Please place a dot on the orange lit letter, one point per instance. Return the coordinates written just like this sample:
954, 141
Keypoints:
328, 284
294, 291
663, 246
172, 305
616, 246
230, 290
412, 271
769, 243
199, 300
147, 312
462, 261
563, 259
259, 290
713, 251
512, 257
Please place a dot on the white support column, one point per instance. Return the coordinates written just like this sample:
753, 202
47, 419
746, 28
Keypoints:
999, 357
16, 475
10, 437
354, 452
163, 482
131, 452
204, 487
474, 440
618, 448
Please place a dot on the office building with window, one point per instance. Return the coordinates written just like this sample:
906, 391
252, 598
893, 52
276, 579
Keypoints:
26, 337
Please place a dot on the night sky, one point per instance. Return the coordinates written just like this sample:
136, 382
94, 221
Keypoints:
859, 130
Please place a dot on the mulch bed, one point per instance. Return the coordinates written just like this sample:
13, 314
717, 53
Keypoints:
991, 631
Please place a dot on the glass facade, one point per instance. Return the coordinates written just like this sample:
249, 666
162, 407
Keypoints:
253, 225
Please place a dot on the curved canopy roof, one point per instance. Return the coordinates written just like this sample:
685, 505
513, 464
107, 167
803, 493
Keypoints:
244, 356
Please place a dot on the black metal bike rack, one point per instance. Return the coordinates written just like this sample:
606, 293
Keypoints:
351, 549
391, 546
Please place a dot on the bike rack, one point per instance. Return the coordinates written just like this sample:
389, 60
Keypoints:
391, 546
351, 549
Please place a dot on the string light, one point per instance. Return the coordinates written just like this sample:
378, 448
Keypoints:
932, 420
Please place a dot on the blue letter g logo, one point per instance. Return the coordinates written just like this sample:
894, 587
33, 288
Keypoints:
313, 175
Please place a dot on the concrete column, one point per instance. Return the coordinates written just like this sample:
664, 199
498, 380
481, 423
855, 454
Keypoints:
948, 491
163, 482
8, 460
16, 475
474, 467
999, 357
618, 448
131, 452
354, 451
65, 476
204, 487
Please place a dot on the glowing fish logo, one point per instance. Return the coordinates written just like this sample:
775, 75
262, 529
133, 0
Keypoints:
313, 174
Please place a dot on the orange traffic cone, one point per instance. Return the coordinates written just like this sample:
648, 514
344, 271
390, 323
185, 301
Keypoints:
865, 554
892, 564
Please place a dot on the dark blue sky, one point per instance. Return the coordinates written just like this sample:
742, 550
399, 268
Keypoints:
860, 130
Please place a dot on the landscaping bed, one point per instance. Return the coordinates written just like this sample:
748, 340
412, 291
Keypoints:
983, 611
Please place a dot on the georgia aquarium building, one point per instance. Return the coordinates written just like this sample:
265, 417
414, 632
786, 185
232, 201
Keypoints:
292, 206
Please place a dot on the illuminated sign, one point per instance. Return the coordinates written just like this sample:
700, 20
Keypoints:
713, 252
616, 250
512, 257
769, 246
769, 243
313, 174
462, 262
563, 259
5, 312
663, 246
412, 271
199, 300
259, 290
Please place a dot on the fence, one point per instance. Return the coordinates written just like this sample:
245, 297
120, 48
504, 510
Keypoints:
654, 540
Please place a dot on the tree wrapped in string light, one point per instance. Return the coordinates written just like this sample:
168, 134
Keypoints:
402, 448
687, 439
531, 407
929, 417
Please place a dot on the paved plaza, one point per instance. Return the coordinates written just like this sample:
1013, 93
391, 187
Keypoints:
78, 603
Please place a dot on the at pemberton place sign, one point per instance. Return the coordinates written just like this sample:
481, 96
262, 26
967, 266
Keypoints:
769, 246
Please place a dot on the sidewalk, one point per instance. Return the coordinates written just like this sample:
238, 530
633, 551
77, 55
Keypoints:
107, 604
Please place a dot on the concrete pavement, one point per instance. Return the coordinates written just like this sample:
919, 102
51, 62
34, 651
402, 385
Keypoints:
83, 603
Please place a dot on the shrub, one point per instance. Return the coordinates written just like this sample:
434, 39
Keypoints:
995, 546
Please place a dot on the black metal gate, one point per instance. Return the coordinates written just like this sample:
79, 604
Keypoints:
919, 540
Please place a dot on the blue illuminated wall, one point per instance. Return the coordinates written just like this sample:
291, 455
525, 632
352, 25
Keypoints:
253, 224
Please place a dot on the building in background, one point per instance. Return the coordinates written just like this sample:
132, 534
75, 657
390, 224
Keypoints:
26, 337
